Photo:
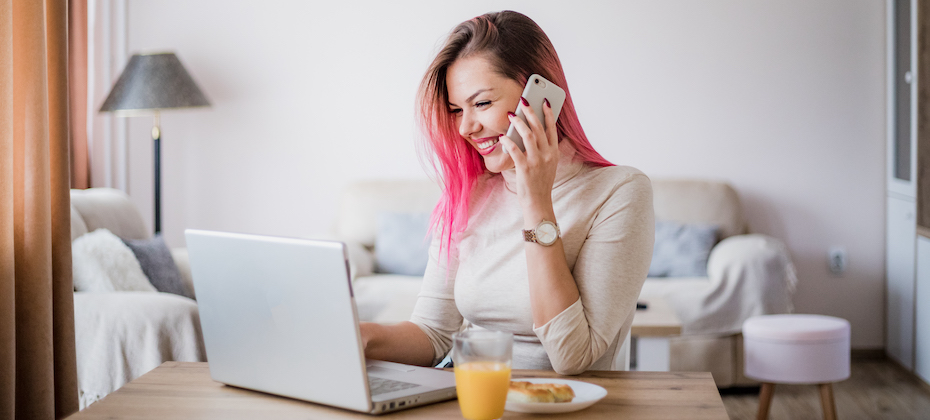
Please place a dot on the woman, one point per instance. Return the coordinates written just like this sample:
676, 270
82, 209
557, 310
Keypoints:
568, 303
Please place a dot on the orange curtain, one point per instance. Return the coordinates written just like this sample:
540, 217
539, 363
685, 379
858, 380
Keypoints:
77, 81
38, 377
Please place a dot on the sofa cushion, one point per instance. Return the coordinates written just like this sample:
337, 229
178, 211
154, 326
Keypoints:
182, 260
402, 245
386, 298
101, 262
158, 265
682, 250
691, 201
360, 203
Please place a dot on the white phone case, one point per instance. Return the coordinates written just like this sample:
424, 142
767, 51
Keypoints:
537, 88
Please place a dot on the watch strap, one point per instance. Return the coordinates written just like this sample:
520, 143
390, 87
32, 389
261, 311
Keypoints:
529, 235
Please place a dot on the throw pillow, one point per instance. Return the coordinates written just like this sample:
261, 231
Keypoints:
157, 264
682, 250
101, 262
401, 244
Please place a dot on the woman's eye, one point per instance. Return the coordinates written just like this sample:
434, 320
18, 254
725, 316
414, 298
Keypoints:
455, 111
482, 104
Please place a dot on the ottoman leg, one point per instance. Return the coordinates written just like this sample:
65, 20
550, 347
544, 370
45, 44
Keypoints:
826, 400
765, 399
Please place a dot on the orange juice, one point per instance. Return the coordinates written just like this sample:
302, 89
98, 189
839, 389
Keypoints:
482, 389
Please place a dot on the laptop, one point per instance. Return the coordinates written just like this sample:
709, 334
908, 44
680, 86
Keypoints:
278, 316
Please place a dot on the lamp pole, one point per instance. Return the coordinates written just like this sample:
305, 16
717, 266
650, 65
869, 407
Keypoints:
156, 137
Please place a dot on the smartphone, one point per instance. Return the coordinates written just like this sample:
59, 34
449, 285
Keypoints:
537, 88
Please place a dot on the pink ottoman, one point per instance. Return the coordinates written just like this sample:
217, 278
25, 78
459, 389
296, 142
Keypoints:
796, 349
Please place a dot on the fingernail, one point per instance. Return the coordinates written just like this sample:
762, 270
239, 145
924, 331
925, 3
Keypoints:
546, 101
500, 135
511, 114
525, 102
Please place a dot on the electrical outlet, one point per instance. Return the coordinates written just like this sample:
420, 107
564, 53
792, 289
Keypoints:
836, 260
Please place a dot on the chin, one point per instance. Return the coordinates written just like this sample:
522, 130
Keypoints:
497, 163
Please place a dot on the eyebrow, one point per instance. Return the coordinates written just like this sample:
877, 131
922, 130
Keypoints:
473, 96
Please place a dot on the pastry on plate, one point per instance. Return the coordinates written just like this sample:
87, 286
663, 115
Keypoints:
528, 392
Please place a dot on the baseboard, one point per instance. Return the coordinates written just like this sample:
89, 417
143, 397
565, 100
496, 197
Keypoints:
909, 373
868, 354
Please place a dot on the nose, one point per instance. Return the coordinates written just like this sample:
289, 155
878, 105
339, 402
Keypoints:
468, 125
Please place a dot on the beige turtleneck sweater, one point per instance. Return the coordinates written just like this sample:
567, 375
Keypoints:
607, 224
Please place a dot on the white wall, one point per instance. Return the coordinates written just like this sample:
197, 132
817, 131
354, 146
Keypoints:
782, 98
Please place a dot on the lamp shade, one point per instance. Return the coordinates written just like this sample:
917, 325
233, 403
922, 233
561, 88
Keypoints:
154, 82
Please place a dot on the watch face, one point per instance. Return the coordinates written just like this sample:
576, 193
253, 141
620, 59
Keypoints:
546, 233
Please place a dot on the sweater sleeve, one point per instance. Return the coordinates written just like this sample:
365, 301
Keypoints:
435, 311
610, 270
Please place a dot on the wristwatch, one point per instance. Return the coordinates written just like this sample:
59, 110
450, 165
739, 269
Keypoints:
544, 234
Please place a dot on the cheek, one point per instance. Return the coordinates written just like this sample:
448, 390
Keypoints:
501, 122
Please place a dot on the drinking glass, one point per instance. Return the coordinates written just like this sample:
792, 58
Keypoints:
482, 372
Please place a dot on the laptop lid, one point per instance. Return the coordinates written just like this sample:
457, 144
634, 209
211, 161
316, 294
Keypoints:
278, 316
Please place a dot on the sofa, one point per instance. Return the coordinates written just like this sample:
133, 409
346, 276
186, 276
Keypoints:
121, 335
747, 274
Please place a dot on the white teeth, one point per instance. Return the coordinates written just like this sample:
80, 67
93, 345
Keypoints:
487, 144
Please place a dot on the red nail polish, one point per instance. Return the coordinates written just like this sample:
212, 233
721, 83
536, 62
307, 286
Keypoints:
525, 102
511, 114
546, 101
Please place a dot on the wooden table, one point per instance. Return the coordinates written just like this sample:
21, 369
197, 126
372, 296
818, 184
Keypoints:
652, 328
185, 390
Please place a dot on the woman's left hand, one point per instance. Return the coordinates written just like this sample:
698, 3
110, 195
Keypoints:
536, 167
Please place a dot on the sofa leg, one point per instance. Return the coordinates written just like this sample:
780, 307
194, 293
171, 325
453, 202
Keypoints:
826, 400
765, 400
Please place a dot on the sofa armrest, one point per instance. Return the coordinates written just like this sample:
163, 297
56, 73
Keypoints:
122, 335
749, 275
762, 253
182, 260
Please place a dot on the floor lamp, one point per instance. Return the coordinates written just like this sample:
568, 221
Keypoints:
151, 83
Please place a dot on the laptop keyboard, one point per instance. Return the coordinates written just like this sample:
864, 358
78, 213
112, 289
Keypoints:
383, 386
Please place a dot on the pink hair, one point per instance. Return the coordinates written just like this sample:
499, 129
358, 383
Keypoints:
517, 47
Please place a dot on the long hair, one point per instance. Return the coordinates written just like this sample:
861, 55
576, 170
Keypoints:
517, 48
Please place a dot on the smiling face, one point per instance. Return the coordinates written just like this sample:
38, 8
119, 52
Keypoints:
480, 99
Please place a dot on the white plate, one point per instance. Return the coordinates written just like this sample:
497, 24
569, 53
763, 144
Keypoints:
585, 396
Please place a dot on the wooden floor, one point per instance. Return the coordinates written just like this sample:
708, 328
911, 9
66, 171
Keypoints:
876, 389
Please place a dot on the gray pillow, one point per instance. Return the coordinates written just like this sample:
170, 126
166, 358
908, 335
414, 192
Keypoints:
401, 245
157, 264
682, 250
